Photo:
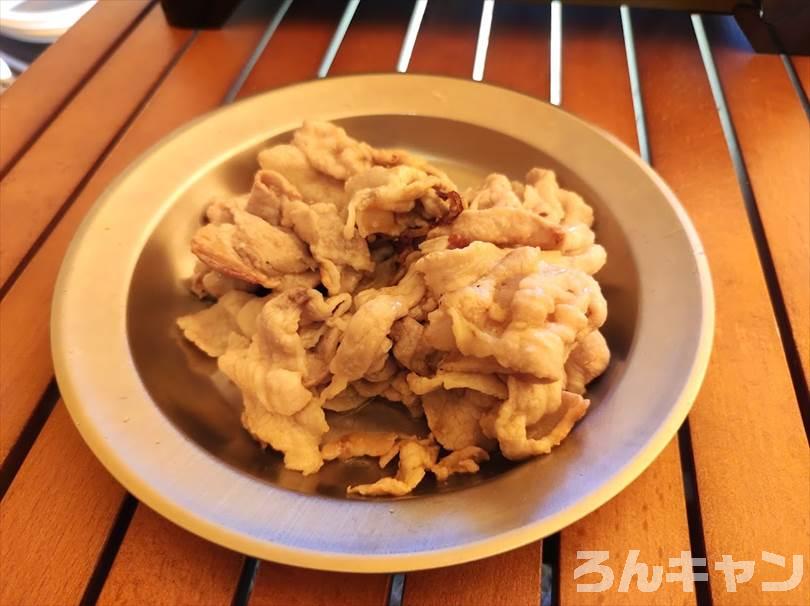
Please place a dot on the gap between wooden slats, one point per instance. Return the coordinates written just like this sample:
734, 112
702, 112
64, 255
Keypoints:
285, 61
296, 50
773, 139
749, 449
650, 514
43, 182
24, 348
181, 97
802, 67
66, 65
509, 579
446, 45
55, 518
447, 38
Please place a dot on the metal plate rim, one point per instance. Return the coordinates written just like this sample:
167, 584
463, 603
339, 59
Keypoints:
80, 401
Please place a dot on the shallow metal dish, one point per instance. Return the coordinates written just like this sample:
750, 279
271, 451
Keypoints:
167, 427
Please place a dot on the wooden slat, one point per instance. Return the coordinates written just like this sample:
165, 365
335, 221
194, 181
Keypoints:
750, 451
297, 48
160, 563
374, 38
446, 42
65, 66
41, 182
774, 137
53, 519
278, 585
510, 579
518, 55
284, 61
650, 515
446, 45
182, 96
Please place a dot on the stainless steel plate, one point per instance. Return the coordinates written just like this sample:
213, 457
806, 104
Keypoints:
167, 425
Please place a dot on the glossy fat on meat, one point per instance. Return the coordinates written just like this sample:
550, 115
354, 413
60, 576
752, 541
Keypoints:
297, 437
415, 458
313, 185
331, 151
505, 226
525, 313
251, 250
359, 444
379, 199
211, 328
465, 460
478, 311
454, 417
589, 359
449, 270
484, 383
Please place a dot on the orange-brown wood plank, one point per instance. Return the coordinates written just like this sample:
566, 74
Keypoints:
284, 61
447, 38
278, 585
160, 563
509, 579
28, 106
774, 137
802, 66
650, 515
374, 39
39, 185
41, 182
182, 96
750, 451
446, 46
518, 54
55, 518
296, 49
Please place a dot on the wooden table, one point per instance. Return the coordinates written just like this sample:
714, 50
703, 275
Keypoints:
727, 129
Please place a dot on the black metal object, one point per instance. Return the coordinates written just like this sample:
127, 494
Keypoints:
771, 26
198, 14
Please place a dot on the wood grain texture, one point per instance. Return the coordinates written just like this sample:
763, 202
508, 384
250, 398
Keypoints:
25, 360
296, 49
750, 452
278, 585
41, 182
774, 138
65, 65
160, 563
447, 38
284, 61
509, 579
26, 357
53, 519
446, 46
650, 514
374, 39
518, 54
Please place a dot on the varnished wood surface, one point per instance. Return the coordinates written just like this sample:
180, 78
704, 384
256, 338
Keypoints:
650, 515
510, 579
750, 450
747, 439
774, 138
65, 66
42, 181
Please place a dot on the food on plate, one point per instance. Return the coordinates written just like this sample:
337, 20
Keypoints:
350, 275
